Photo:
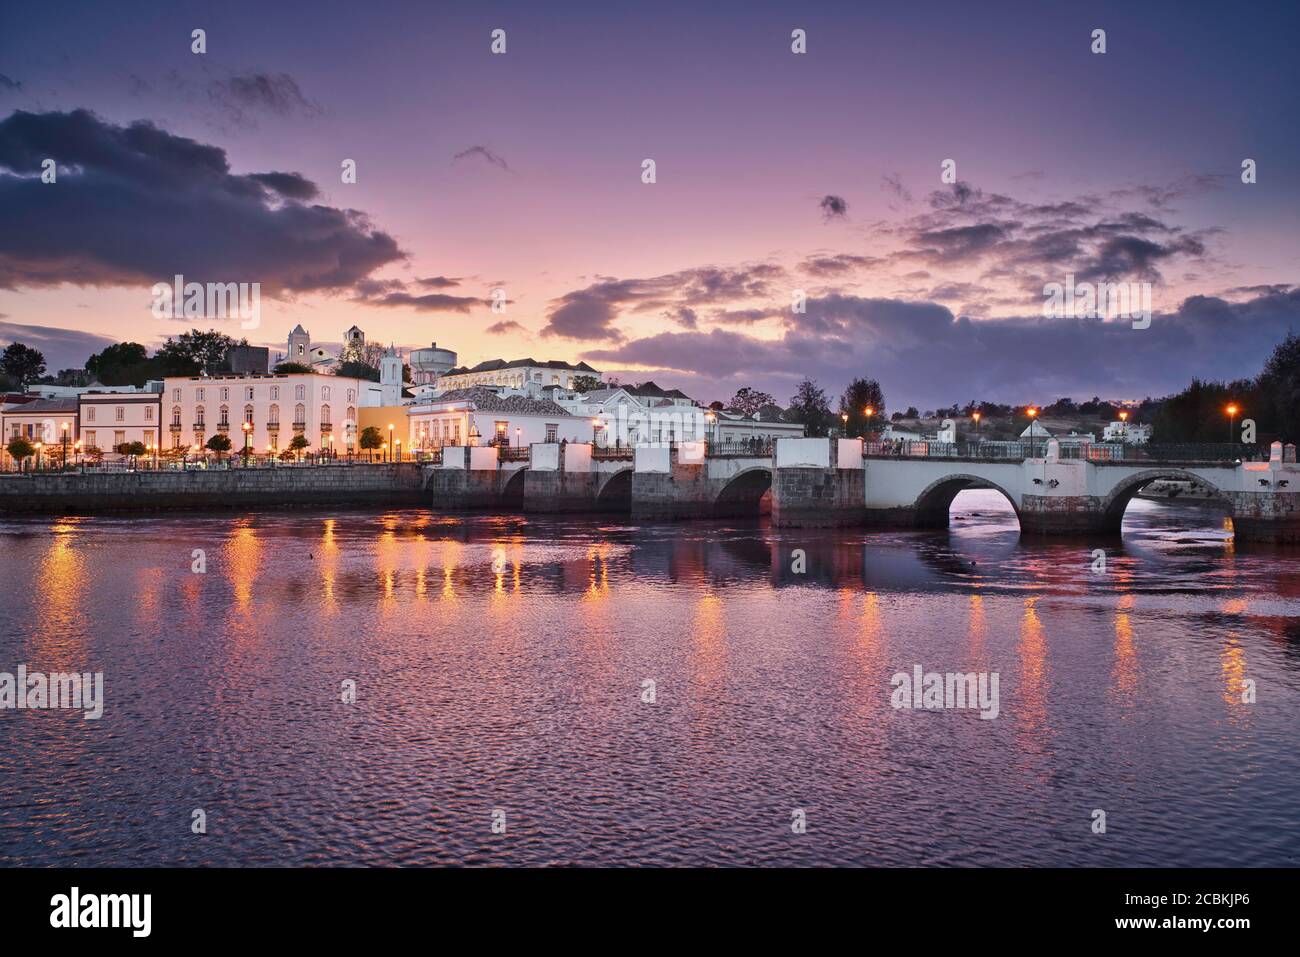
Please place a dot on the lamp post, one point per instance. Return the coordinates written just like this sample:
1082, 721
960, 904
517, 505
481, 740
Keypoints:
710, 418
390, 442
844, 420
38, 455
869, 411
77, 448
63, 462
1232, 415
270, 457
1123, 426
976, 416
1032, 413
248, 440
519, 437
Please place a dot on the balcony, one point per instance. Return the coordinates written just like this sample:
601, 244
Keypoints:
273, 426
200, 426
300, 427
326, 427
175, 427
223, 427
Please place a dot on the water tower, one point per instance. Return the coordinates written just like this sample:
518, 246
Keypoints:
428, 364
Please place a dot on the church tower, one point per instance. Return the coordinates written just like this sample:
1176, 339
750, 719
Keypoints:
390, 377
299, 346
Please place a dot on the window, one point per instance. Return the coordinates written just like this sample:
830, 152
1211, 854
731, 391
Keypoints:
176, 440
225, 395
325, 392
352, 395
300, 392
248, 393
301, 348
248, 413
225, 416
118, 438
501, 429
148, 413
352, 415
455, 433
275, 392
198, 416
198, 395
324, 416
176, 395
275, 441
275, 415
90, 438
119, 414
90, 413
299, 414
551, 428
176, 415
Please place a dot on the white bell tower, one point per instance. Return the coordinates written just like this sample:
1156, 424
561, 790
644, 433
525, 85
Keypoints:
390, 377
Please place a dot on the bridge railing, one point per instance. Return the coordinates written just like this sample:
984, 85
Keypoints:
512, 453
738, 448
613, 453
1092, 452
928, 449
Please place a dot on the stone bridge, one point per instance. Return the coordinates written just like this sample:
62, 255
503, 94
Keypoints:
829, 482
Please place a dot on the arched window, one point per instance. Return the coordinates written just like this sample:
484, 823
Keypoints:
176, 415
275, 415
225, 416
248, 413
324, 415
325, 392
299, 414
198, 415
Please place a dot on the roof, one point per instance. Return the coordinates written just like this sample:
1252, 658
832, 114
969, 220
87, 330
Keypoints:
485, 400
491, 365
298, 330
47, 405
650, 390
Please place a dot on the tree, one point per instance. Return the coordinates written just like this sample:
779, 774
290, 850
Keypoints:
1279, 389
123, 363
357, 370
219, 443
860, 395
196, 351
747, 401
371, 439
587, 383
288, 368
297, 444
808, 406
22, 363
19, 448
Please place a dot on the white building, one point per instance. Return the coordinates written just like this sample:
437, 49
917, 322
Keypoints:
732, 427
1130, 433
480, 416
526, 375
629, 415
322, 408
110, 419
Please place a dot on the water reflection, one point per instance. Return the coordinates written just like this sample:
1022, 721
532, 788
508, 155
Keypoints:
502, 659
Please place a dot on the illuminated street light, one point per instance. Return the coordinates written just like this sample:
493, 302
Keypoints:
1232, 415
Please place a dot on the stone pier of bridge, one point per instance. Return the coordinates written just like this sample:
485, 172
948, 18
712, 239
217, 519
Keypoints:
830, 482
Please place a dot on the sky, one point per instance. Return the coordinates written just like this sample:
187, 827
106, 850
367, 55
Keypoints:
774, 172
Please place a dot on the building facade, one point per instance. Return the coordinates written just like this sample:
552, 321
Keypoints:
110, 419
480, 416
527, 375
321, 408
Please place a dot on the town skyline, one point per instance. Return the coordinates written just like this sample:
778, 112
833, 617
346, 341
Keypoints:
929, 286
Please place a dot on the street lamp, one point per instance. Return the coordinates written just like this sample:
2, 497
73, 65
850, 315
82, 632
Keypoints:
38, 455
869, 411
976, 416
1032, 413
63, 462
77, 448
710, 418
1232, 415
1123, 426
248, 439
390, 440
519, 441
270, 458
844, 418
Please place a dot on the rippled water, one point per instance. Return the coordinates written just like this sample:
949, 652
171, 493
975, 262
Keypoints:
500, 663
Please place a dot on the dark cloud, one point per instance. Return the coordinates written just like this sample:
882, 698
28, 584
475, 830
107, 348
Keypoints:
429, 302
242, 96
438, 282
63, 348
6, 84
684, 316
135, 204
505, 326
483, 153
588, 314
833, 207
893, 183
826, 267
924, 355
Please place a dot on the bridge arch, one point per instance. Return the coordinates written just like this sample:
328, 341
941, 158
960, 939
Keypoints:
512, 492
1114, 503
615, 492
743, 493
931, 506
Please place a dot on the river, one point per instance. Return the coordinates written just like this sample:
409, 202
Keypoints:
592, 691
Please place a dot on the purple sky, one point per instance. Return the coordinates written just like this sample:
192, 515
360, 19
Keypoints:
523, 171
